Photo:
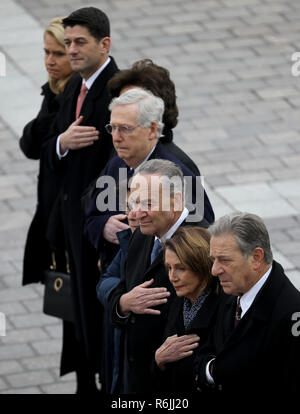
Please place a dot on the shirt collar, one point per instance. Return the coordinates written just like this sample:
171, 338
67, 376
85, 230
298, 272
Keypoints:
145, 160
89, 82
175, 226
248, 297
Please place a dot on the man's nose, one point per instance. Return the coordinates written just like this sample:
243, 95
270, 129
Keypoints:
139, 213
116, 135
71, 49
215, 270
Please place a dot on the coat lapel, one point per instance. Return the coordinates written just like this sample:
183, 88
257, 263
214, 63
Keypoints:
260, 311
205, 313
97, 90
71, 98
158, 260
147, 248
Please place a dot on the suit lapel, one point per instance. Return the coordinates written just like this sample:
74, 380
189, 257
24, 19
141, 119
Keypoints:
202, 320
97, 89
260, 311
157, 262
71, 99
147, 248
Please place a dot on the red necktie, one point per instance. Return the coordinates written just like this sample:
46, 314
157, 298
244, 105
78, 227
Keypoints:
80, 99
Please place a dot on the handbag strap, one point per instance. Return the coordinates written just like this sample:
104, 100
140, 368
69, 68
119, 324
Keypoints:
53, 265
67, 262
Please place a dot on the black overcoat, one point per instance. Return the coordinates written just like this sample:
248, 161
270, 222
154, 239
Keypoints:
178, 375
75, 172
262, 354
142, 333
37, 253
96, 220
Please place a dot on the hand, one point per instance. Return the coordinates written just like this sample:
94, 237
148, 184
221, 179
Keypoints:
112, 226
175, 348
141, 298
77, 137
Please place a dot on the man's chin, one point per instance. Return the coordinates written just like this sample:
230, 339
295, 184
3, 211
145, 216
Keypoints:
146, 230
122, 153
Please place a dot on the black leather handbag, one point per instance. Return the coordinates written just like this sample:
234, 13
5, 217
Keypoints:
58, 292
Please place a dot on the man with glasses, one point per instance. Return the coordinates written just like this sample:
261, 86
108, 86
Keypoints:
136, 126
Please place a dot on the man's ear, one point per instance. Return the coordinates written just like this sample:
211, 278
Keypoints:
153, 130
178, 201
258, 256
104, 45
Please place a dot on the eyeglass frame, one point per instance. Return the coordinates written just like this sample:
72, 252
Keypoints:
123, 129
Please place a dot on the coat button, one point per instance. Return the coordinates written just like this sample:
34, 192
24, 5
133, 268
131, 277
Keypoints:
132, 319
65, 197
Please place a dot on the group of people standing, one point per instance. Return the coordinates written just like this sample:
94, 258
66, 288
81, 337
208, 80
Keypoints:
153, 290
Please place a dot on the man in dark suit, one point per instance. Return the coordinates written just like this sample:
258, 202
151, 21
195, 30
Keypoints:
140, 302
78, 148
136, 125
254, 347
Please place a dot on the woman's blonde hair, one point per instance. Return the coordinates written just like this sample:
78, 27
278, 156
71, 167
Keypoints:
55, 28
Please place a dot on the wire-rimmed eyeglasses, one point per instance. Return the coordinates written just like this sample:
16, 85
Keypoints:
123, 129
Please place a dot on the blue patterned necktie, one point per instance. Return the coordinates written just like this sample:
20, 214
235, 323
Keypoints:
130, 172
155, 250
238, 312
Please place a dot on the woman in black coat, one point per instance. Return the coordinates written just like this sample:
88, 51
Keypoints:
37, 256
192, 313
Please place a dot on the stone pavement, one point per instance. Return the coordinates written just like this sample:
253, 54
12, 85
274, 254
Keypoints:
239, 120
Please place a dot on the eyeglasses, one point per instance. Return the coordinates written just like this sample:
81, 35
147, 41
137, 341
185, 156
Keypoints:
123, 129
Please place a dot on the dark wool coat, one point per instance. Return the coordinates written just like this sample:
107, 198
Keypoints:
142, 333
178, 375
37, 253
96, 220
260, 355
75, 172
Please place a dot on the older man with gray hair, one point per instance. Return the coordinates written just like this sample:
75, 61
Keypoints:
139, 304
136, 126
254, 346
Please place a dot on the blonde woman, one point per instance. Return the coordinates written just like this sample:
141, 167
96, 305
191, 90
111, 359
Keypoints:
37, 255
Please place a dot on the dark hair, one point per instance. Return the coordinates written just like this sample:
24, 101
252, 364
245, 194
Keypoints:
146, 74
191, 245
93, 19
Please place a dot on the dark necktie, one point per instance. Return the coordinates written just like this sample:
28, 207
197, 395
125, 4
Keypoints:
238, 312
130, 173
81, 98
155, 250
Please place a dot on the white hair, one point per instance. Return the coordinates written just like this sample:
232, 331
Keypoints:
150, 107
